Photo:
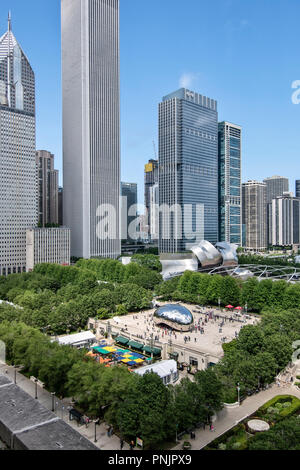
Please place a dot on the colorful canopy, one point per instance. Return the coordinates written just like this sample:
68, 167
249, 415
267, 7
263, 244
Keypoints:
229, 306
238, 308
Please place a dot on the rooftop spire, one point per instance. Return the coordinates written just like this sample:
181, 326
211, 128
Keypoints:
9, 21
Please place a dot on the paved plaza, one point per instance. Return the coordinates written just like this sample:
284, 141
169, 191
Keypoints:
212, 327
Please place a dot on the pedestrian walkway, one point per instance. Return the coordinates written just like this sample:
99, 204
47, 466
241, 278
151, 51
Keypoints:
61, 409
228, 418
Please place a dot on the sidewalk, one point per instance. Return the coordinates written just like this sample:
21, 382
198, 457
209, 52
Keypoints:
62, 411
228, 418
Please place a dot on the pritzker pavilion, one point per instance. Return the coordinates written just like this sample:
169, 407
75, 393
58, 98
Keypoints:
222, 259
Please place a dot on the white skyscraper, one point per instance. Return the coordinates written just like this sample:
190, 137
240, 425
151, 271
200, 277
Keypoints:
18, 179
91, 125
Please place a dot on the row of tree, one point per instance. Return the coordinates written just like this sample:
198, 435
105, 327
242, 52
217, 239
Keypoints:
137, 406
208, 290
265, 261
143, 271
57, 307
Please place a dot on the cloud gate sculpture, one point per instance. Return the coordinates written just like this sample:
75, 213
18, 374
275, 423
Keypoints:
174, 316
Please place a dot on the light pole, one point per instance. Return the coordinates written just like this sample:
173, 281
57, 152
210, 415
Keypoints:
15, 371
96, 421
53, 397
36, 388
238, 390
246, 308
219, 302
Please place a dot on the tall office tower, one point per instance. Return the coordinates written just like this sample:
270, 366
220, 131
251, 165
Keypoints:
254, 195
230, 174
297, 192
154, 213
286, 220
276, 187
60, 206
18, 181
128, 209
91, 126
188, 171
48, 188
151, 181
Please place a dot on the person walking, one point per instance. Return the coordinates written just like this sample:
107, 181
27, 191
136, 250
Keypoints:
121, 444
132, 445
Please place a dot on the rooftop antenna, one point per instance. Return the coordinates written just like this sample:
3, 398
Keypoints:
9, 21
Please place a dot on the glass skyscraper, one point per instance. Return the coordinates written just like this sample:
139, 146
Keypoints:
18, 179
297, 193
230, 180
188, 170
128, 208
91, 126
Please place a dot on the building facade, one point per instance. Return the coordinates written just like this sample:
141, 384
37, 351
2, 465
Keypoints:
254, 195
285, 220
60, 206
188, 171
48, 188
276, 187
128, 210
151, 181
91, 125
153, 214
47, 245
18, 179
230, 183
297, 192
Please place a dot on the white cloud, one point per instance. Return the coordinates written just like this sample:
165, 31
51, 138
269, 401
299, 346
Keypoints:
187, 80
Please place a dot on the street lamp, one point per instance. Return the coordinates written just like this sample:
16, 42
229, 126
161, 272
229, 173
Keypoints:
96, 421
238, 390
219, 302
36, 388
53, 397
246, 308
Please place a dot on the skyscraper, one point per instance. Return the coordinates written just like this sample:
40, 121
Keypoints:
297, 192
276, 186
151, 196
18, 181
188, 170
91, 125
254, 205
48, 188
285, 220
128, 208
230, 174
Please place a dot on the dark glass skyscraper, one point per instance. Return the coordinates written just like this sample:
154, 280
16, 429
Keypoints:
297, 193
128, 208
188, 170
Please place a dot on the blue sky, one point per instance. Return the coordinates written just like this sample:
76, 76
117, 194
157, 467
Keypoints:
244, 53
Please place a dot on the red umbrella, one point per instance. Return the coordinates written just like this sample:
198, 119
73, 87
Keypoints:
229, 306
239, 308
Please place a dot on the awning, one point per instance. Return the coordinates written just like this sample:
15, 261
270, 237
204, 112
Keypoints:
135, 345
154, 351
122, 340
101, 351
174, 354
